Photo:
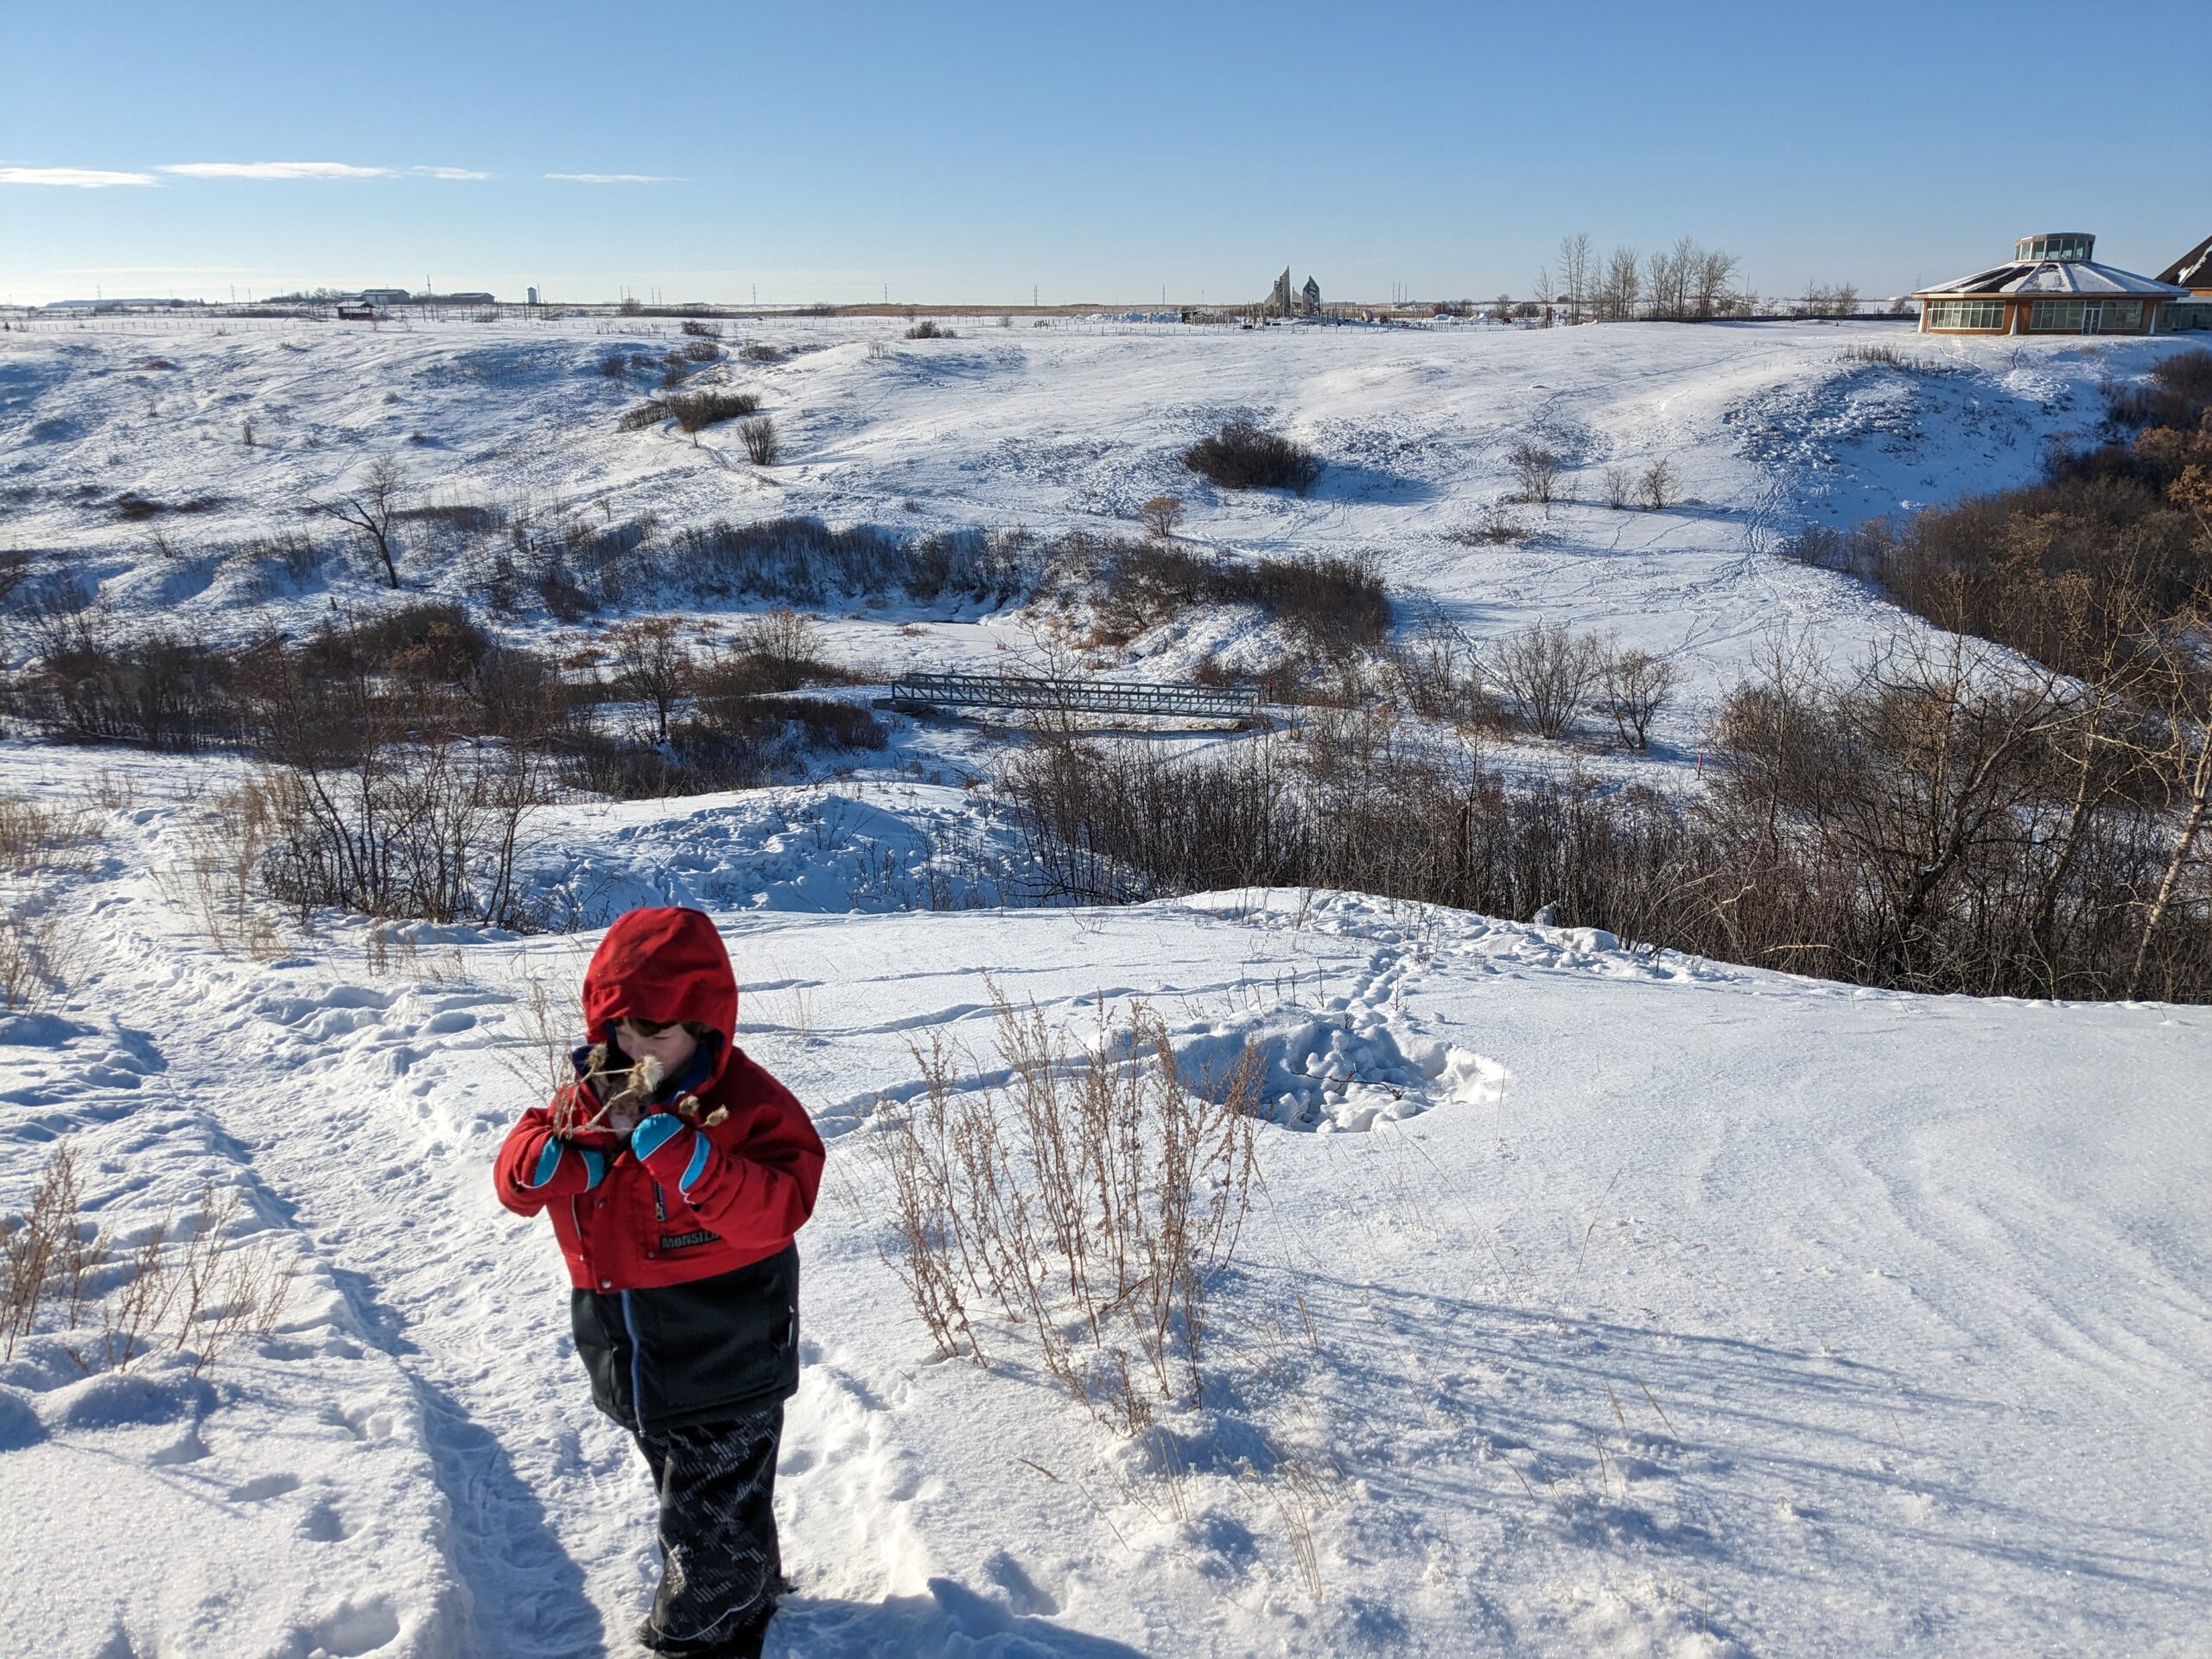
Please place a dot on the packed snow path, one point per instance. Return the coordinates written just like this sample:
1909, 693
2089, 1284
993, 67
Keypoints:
1659, 1308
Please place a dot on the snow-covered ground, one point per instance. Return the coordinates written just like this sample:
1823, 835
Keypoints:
1655, 1306
1597, 1304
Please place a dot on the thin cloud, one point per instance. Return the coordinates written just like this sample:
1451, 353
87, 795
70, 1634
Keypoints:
72, 178
276, 170
448, 172
614, 178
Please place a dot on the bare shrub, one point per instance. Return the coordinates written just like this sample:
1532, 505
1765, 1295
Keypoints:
1498, 527
1160, 515
1093, 1202
788, 642
698, 330
1536, 472
1620, 488
926, 329
615, 365
1655, 490
383, 823
1241, 456
763, 444
1438, 673
759, 352
1636, 686
653, 665
1545, 674
702, 351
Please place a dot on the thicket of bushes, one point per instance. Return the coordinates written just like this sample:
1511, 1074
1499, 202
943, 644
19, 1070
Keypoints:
692, 411
1242, 456
1921, 822
1336, 604
2077, 571
407, 750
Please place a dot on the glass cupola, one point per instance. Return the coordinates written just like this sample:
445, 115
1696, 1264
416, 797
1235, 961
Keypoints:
2071, 246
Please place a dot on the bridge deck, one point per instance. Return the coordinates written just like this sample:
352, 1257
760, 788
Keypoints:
1170, 699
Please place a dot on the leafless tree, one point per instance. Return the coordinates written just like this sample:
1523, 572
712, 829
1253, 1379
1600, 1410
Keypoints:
1655, 489
1637, 686
1620, 487
1575, 273
1712, 274
371, 509
2184, 763
1161, 514
1546, 673
1666, 282
1622, 285
652, 666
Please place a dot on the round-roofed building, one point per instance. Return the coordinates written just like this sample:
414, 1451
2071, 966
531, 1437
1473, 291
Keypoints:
2051, 286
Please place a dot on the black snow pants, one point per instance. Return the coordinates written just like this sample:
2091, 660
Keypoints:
721, 1568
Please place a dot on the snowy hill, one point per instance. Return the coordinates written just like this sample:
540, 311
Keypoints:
1596, 1304
1066, 427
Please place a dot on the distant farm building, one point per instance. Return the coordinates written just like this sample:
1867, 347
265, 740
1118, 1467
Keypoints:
2051, 286
384, 296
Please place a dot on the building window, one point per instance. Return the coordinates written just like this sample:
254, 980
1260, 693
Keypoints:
1966, 314
2056, 317
2180, 315
2121, 316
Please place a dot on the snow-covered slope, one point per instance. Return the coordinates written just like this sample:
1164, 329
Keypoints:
1597, 1304
1070, 426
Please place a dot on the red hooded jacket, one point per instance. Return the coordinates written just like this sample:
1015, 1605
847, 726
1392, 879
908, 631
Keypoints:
755, 1177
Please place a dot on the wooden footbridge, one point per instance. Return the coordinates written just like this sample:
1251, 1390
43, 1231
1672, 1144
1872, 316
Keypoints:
1157, 699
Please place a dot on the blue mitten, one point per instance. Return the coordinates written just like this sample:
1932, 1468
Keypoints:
676, 1153
561, 1170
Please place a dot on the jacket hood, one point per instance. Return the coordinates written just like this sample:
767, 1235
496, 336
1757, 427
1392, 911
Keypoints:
663, 964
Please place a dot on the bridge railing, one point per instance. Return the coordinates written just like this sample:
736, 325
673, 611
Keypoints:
1168, 699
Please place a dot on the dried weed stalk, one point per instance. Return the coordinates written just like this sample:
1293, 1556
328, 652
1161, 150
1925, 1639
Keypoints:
219, 1289
1093, 1200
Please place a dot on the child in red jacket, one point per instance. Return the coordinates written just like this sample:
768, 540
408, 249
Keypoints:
677, 1172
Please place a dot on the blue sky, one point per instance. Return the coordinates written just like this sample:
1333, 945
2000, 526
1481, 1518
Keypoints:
1099, 153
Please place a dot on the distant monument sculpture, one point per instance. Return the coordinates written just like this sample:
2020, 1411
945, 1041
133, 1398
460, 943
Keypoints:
1284, 300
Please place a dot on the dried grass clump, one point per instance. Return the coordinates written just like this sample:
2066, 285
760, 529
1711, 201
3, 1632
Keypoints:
54, 1269
1091, 1204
